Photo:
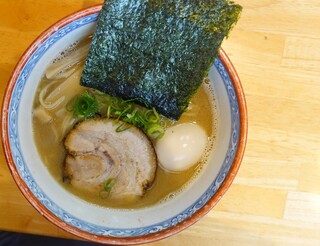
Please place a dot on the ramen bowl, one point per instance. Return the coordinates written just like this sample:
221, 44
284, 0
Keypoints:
107, 225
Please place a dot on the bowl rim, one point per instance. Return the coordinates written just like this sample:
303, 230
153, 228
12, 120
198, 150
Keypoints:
243, 127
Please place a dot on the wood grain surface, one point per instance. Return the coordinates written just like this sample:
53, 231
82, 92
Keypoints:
275, 198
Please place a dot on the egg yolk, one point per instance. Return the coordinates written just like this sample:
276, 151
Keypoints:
181, 147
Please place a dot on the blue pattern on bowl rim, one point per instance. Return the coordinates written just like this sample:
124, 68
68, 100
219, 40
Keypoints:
69, 218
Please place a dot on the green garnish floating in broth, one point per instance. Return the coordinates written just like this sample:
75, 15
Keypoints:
84, 106
155, 130
94, 103
109, 184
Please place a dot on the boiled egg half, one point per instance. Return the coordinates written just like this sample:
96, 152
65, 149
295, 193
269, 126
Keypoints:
181, 147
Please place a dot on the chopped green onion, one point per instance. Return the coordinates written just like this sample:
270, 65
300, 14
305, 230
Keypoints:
122, 127
152, 116
85, 106
155, 131
109, 184
94, 102
108, 111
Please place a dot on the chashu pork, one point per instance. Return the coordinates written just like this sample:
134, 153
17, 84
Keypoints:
97, 154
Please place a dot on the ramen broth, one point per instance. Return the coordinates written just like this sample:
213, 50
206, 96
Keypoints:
52, 124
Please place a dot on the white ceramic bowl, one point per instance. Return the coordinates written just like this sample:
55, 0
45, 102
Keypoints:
102, 224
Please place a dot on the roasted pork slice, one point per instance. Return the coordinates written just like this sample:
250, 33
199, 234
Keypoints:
98, 156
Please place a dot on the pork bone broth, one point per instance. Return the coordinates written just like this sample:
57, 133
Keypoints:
52, 122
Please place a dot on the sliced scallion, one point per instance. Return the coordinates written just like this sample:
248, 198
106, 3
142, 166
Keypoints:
109, 184
93, 102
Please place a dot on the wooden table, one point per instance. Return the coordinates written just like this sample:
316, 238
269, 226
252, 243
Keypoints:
275, 198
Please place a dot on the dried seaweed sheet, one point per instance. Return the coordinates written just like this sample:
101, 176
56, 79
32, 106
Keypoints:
157, 52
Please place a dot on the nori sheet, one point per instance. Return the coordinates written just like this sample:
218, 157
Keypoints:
157, 52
